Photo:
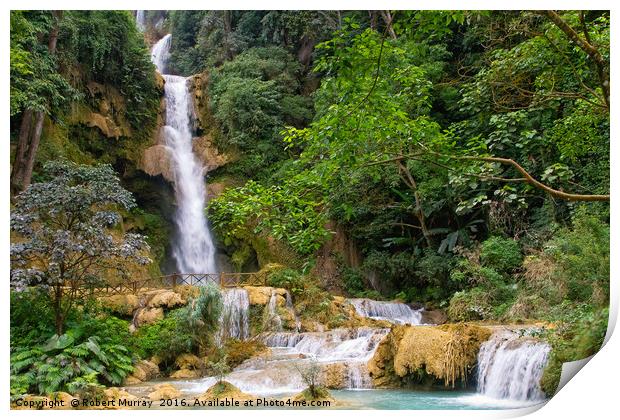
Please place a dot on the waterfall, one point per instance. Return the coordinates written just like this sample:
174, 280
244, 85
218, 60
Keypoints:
234, 320
395, 312
510, 367
160, 54
193, 250
351, 348
141, 20
272, 320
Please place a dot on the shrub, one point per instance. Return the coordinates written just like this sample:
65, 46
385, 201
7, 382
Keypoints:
165, 339
579, 335
503, 255
582, 256
288, 279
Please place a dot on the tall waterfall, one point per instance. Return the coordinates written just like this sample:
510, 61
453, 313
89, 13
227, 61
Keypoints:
510, 367
395, 312
193, 249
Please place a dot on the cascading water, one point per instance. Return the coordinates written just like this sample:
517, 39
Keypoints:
234, 320
273, 321
397, 313
510, 367
141, 20
193, 249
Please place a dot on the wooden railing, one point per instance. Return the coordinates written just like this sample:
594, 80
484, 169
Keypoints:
172, 281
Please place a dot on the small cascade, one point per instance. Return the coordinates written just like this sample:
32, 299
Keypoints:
272, 320
397, 313
234, 320
351, 348
510, 367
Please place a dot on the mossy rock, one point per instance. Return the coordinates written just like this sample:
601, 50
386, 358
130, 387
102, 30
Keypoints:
222, 390
320, 394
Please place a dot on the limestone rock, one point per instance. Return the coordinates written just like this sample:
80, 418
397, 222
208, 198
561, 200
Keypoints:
204, 148
117, 394
261, 295
167, 299
164, 391
187, 292
188, 361
156, 160
145, 370
185, 374
147, 316
120, 304
447, 353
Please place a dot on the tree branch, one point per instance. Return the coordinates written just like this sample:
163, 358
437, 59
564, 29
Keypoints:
585, 46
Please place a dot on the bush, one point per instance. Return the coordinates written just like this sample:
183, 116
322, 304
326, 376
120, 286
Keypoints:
582, 256
288, 279
165, 339
577, 336
503, 255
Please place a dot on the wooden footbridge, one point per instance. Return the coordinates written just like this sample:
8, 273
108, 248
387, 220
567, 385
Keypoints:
174, 280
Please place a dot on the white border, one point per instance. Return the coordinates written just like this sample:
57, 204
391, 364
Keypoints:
591, 394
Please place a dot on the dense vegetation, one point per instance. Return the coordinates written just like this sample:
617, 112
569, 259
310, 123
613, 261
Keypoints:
462, 157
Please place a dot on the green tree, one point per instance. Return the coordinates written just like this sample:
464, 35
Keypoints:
65, 242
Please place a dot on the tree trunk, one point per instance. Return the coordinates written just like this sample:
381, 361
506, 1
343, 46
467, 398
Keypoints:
387, 18
30, 137
17, 173
419, 213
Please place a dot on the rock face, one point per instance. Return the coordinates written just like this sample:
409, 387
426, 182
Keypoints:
156, 161
445, 353
208, 153
164, 391
109, 117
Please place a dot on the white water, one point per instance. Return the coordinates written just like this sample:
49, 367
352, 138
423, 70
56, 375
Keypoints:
141, 20
160, 54
510, 367
397, 313
272, 321
277, 371
234, 320
193, 249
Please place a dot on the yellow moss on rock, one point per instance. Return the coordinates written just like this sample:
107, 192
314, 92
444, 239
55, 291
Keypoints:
447, 352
